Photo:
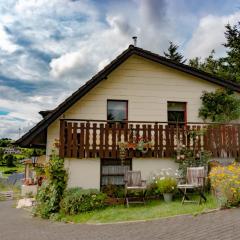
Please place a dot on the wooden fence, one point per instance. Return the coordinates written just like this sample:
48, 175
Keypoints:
92, 138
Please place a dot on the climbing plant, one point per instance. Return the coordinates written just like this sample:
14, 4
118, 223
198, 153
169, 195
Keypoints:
51, 192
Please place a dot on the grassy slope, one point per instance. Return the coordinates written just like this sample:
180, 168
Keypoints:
19, 168
152, 210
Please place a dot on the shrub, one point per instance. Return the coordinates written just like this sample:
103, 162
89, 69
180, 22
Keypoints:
11, 171
166, 185
10, 160
77, 200
225, 181
50, 194
113, 191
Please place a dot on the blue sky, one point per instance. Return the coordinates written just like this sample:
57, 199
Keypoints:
49, 48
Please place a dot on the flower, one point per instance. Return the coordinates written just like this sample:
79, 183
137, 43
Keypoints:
166, 185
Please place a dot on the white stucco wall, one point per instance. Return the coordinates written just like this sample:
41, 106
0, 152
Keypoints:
151, 166
83, 173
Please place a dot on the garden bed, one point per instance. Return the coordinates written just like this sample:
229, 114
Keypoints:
154, 209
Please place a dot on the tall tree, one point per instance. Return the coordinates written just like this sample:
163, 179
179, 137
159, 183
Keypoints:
225, 67
232, 61
173, 53
209, 64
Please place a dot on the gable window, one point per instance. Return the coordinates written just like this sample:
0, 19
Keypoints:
177, 112
117, 110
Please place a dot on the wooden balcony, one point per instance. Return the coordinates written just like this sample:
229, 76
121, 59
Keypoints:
99, 138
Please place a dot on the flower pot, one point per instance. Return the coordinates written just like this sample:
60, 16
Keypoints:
167, 197
131, 145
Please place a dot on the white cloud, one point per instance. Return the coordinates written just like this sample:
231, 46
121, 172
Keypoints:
210, 35
5, 42
54, 8
95, 52
67, 63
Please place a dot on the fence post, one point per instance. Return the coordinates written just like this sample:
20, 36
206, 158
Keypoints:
62, 139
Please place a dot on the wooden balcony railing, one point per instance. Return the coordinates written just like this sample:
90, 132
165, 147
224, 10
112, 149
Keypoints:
96, 138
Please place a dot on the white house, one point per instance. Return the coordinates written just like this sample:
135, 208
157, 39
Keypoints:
136, 95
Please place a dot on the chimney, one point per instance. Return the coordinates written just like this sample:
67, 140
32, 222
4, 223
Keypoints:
134, 41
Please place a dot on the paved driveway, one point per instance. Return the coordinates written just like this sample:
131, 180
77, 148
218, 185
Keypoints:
17, 224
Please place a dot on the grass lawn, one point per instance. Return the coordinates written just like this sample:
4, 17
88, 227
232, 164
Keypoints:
19, 168
153, 209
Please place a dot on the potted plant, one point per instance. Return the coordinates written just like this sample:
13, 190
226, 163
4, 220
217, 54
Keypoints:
167, 186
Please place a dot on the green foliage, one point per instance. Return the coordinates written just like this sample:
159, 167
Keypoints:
209, 65
10, 160
39, 170
152, 190
173, 53
225, 181
1, 156
77, 200
29, 152
220, 106
232, 60
8, 171
5, 142
191, 158
51, 192
225, 67
113, 191
11, 171
153, 209
166, 185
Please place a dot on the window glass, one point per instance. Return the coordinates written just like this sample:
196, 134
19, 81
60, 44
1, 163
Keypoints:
176, 112
117, 110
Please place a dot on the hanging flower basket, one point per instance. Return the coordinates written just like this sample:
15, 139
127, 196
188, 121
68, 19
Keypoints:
141, 144
131, 145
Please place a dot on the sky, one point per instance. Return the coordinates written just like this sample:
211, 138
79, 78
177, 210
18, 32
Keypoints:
49, 48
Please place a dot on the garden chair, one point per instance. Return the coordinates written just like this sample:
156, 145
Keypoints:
133, 182
195, 180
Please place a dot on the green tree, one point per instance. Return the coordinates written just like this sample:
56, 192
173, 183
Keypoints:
1, 156
173, 53
232, 60
220, 106
5, 142
10, 160
225, 67
209, 64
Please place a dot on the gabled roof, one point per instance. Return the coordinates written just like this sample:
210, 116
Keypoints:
41, 127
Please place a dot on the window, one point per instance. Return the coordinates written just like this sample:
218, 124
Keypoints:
177, 112
117, 110
113, 170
